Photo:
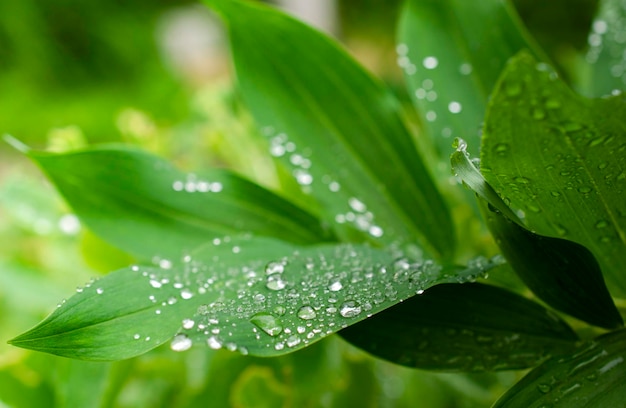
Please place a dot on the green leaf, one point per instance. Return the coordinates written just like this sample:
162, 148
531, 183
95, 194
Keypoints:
452, 52
471, 327
592, 377
559, 159
258, 295
562, 273
143, 205
339, 129
605, 56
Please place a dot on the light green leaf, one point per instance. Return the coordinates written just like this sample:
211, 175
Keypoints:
452, 52
560, 160
562, 273
339, 129
471, 327
256, 295
143, 205
605, 56
592, 377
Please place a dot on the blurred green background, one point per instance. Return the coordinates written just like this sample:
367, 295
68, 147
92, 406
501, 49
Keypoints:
155, 74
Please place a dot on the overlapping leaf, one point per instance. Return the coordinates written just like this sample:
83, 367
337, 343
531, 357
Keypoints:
256, 295
452, 52
560, 272
559, 159
145, 206
471, 327
338, 128
592, 377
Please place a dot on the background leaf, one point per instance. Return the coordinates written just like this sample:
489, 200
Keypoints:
338, 128
605, 56
592, 377
470, 327
144, 205
256, 295
559, 159
452, 52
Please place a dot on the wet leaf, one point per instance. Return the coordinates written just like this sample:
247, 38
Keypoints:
143, 205
256, 295
591, 377
605, 56
470, 327
338, 129
559, 160
562, 273
452, 53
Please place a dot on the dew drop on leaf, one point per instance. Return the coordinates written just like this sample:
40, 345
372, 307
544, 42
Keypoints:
181, 343
306, 313
214, 343
268, 323
350, 309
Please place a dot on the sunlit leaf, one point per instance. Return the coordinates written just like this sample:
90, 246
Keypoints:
143, 205
339, 129
559, 160
256, 295
470, 327
562, 273
452, 52
592, 377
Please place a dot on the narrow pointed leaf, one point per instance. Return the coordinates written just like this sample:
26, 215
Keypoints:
605, 56
559, 158
470, 327
256, 295
562, 273
143, 205
339, 129
452, 52
592, 377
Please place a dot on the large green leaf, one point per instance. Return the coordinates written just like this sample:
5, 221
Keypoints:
258, 295
559, 160
562, 273
471, 327
452, 52
605, 56
145, 206
592, 377
338, 128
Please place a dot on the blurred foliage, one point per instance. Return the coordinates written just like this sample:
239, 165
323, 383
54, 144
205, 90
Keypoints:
73, 72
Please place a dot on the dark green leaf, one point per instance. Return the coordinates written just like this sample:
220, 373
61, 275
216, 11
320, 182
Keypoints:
592, 377
452, 52
471, 327
559, 160
144, 205
338, 128
260, 296
562, 273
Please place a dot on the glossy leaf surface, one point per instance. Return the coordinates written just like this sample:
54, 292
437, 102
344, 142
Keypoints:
339, 129
562, 273
144, 205
592, 377
256, 295
559, 159
452, 52
470, 327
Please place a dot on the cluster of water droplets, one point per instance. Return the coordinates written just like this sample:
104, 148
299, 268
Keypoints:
607, 39
193, 184
281, 146
359, 216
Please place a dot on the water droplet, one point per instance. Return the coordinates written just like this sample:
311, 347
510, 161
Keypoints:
454, 107
274, 267
188, 324
357, 205
214, 343
350, 309
431, 116
181, 343
275, 282
306, 313
584, 189
430, 62
501, 149
186, 294
602, 224
268, 323
155, 283
465, 68
137, 336
335, 286
99, 291
293, 341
